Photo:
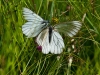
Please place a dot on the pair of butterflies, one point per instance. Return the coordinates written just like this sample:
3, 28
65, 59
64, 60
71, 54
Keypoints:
47, 36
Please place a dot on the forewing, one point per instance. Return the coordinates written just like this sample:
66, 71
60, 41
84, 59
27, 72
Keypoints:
30, 15
57, 43
33, 27
69, 28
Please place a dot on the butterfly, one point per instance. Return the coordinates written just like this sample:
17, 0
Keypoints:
48, 36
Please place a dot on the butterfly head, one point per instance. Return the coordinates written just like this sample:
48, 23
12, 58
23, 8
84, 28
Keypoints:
45, 22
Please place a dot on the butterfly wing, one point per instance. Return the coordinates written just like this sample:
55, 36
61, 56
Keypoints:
55, 46
43, 40
34, 25
69, 28
57, 43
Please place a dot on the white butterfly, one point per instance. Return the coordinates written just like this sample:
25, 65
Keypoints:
47, 36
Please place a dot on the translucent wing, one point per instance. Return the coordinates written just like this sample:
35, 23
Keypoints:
69, 28
34, 25
55, 46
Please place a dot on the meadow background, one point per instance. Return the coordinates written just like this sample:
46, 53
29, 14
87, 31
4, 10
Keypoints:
19, 55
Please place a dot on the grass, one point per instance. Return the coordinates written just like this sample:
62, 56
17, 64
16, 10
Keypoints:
19, 56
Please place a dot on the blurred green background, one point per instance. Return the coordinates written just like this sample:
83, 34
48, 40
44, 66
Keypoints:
19, 55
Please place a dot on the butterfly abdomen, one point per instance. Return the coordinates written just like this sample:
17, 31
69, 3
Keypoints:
50, 34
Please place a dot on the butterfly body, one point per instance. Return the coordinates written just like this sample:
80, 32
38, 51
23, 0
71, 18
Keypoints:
50, 33
48, 37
